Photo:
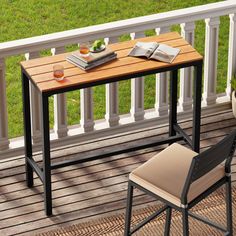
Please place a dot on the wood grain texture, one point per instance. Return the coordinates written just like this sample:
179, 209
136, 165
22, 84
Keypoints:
33, 71
40, 70
89, 190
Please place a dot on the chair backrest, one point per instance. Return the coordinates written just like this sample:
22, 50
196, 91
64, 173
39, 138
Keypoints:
212, 157
209, 159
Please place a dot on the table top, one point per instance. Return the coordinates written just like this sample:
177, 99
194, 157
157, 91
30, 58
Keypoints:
40, 70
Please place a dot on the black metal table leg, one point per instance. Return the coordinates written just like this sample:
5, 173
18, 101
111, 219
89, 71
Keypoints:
175, 131
128, 215
27, 129
46, 157
197, 106
173, 102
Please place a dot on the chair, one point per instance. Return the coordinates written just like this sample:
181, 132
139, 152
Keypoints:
181, 178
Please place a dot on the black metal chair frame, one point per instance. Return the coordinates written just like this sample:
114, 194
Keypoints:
201, 164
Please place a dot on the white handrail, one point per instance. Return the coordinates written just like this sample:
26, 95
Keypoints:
161, 103
4, 142
114, 122
86, 109
186, 74
211, 60
137, 89
60, 107
112, 99
231, 53
118, 28
35, 105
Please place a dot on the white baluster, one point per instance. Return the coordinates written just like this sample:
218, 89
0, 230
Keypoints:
60, 107
186, 74
232, 53
112, 107
161, 104
86, 109
4, 141
35, 106
211, 57
137, 90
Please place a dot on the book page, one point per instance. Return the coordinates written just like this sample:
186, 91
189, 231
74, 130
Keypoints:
165, 53
143, 49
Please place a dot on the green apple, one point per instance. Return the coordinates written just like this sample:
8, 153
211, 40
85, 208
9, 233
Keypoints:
97, 44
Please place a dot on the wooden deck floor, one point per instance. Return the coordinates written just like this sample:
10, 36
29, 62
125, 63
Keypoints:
86, 191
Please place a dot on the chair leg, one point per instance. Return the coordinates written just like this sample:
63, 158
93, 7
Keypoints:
185, 222
168, 221
229, 206
128, 209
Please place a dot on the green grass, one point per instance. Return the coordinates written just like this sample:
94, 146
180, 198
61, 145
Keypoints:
27, 18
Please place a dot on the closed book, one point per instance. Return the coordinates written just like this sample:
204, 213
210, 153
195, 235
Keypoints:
93, 56
75, 61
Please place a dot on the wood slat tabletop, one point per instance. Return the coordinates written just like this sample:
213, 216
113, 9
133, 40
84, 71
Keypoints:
40, 70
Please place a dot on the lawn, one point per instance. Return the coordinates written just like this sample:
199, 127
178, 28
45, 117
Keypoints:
28, 18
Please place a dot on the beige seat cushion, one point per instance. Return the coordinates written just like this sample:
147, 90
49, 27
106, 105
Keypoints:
165, 174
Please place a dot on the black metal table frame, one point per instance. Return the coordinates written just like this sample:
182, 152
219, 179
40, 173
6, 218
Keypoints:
175, 131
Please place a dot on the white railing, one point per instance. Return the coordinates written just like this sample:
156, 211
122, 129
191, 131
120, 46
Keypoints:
138, 117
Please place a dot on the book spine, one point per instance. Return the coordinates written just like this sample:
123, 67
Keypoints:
76, 60
75, 64
90, 66
100, 62
153, 50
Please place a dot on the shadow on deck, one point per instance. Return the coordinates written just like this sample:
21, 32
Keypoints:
89, 190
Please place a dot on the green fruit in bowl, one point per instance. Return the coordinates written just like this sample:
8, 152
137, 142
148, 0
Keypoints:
97, 44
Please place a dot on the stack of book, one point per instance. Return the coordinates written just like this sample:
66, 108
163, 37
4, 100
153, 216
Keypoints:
93, 60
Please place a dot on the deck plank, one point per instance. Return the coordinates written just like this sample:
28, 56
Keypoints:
89, 190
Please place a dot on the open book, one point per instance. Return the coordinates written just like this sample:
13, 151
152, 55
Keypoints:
153, 50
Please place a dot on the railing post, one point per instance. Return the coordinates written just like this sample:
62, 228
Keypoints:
112, 107
186, 74
4, 141
60, 107
211, 57
35, 106
161, 103
137, 90
86, 109
231, 53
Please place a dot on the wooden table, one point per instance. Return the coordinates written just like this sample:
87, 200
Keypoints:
39, 72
